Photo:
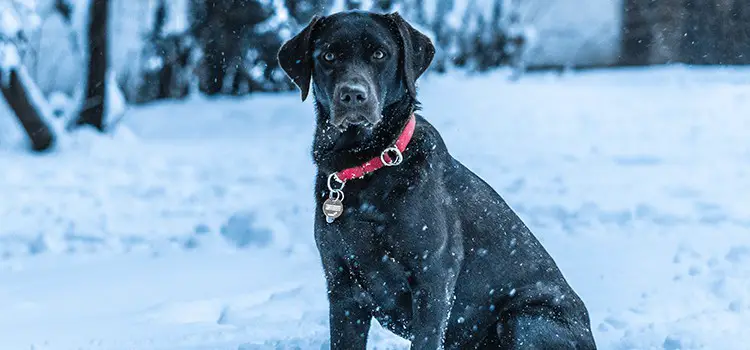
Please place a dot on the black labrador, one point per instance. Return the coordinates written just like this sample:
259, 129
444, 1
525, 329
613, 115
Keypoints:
419, 242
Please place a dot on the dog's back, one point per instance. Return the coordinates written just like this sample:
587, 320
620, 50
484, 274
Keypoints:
506, 271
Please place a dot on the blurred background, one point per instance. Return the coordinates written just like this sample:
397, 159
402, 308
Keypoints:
168, 49
156, 180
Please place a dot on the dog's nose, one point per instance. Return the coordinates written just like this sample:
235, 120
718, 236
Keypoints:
351, 94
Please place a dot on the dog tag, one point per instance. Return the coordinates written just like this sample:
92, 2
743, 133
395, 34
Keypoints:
332, 208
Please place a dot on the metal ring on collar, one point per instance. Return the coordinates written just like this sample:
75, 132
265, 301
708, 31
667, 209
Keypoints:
394, 161
336, 195
330, 185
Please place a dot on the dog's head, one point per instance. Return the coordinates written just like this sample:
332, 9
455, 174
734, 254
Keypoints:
359, 64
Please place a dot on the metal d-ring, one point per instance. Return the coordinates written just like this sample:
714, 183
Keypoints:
399, 157
333, 176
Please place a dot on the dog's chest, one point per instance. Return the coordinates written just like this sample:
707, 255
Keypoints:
385, 289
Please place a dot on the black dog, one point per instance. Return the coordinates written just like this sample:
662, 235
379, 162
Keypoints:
422, 244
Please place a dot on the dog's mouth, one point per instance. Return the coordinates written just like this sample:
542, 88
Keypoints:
359, 119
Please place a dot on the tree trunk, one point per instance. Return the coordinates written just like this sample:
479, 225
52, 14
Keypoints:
352, 4
20, 98
382, 6
498, 37
92, 112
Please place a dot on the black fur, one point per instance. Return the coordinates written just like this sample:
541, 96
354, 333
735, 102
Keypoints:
427, 247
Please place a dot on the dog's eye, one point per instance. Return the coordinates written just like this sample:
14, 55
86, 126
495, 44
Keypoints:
378, 55
329, 56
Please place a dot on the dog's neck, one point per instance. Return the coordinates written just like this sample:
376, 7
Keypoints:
334, 150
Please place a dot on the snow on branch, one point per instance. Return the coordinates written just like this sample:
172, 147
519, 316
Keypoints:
10, 24
17, 19
9, 60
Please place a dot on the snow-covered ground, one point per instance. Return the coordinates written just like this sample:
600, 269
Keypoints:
191, 226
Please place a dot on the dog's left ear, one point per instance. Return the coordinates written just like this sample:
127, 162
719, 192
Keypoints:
418, 52
295, 57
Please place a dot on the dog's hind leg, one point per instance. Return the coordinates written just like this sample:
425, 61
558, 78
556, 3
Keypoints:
540, 328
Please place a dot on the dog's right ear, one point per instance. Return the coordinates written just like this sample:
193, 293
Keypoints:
295, 57
417, 51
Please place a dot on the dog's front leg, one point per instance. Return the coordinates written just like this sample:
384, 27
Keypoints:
433, 282
349, 319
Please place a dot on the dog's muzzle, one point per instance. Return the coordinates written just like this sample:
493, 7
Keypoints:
354, 104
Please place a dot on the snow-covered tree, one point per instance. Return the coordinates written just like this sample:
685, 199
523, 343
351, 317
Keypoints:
17, 20
237, 37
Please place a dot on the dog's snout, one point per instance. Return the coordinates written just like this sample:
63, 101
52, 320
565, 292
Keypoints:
352, 94
354, 103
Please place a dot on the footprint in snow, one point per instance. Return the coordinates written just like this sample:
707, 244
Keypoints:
242, 230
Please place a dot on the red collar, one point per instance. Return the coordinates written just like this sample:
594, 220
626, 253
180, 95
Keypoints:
333, 207
385, 158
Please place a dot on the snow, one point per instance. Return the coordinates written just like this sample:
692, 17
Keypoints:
115, 103
9, 22
177, 17
190, 227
